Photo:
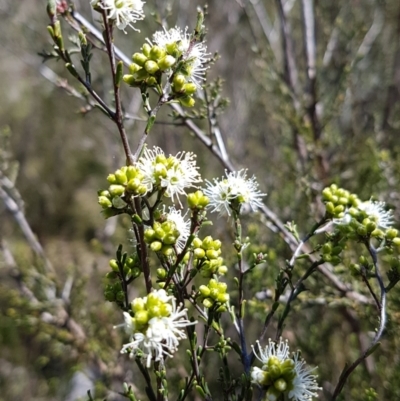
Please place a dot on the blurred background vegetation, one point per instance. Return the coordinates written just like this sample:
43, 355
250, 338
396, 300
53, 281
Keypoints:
295, 131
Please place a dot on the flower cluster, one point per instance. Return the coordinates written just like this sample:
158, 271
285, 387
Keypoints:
153, 172
174, 52
214, 295
281, 374
232, 192
171, 174
171, 231
156, 327
207, 257
123, 12
357, 218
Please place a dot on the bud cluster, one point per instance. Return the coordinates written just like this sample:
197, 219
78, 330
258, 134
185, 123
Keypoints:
162, 237
206, 257
214, 295
125, 270
338, 200
174, 53
144, 309
125, 182
197, 200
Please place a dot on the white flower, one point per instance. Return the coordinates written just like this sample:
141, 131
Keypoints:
304, 383
182, 225
124, 12
194, 55
161, 334
376, 211
235, 187
282, 374
174, 174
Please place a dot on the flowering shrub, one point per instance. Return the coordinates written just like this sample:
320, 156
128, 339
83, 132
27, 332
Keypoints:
186, 276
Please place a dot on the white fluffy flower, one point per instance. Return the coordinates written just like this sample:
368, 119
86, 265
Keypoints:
236, 187
282, 374
182, 225
124, 12
173, 174
376, 211
194, 55
161, 334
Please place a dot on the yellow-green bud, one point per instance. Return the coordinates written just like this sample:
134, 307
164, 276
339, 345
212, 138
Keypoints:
396, 241
280, 385
114, 265
212, 254
208, 303
116, 190
156, 53
121, 177
141, 317
189, 88
167, 250
330, 208
204, 290
139, 58
222, 270
166, 62
156, 246
104, 202
377, 233
111, 179
361, 230
146, 49
187, 101
199, 253
133, 68
391, 233
197, 242
161, 273
151, 67
178, 82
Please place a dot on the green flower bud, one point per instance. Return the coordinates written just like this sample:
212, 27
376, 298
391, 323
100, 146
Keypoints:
133, 68
109, 296
169, 240
371, 226
111, 179
121, 177
116, 190
396, 241
146, 49
120, 296
197, 242
139, 58
156, 246
156, 53
187, 101
141, 317
208, 303
161, 274
280, 385
212, 254
354, 269
151, 81
207, 243
137, 305
151, 67
204, 290
189, 88
167, 250
326, 248
166, 62
133, 184
172, 48
223, 298
199, 253
330, 208
104, 202
178, 82
111, 275
149, 235
377, 233
391, 233
339, 209
222, 270
114, 265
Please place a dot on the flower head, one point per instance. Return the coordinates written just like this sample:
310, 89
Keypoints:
235, 189
178, 43
182, 225
376, 211
173, 174
282, 374
124, 12
156, 327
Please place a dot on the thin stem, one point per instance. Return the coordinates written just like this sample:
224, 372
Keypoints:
374, 343
118, 115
